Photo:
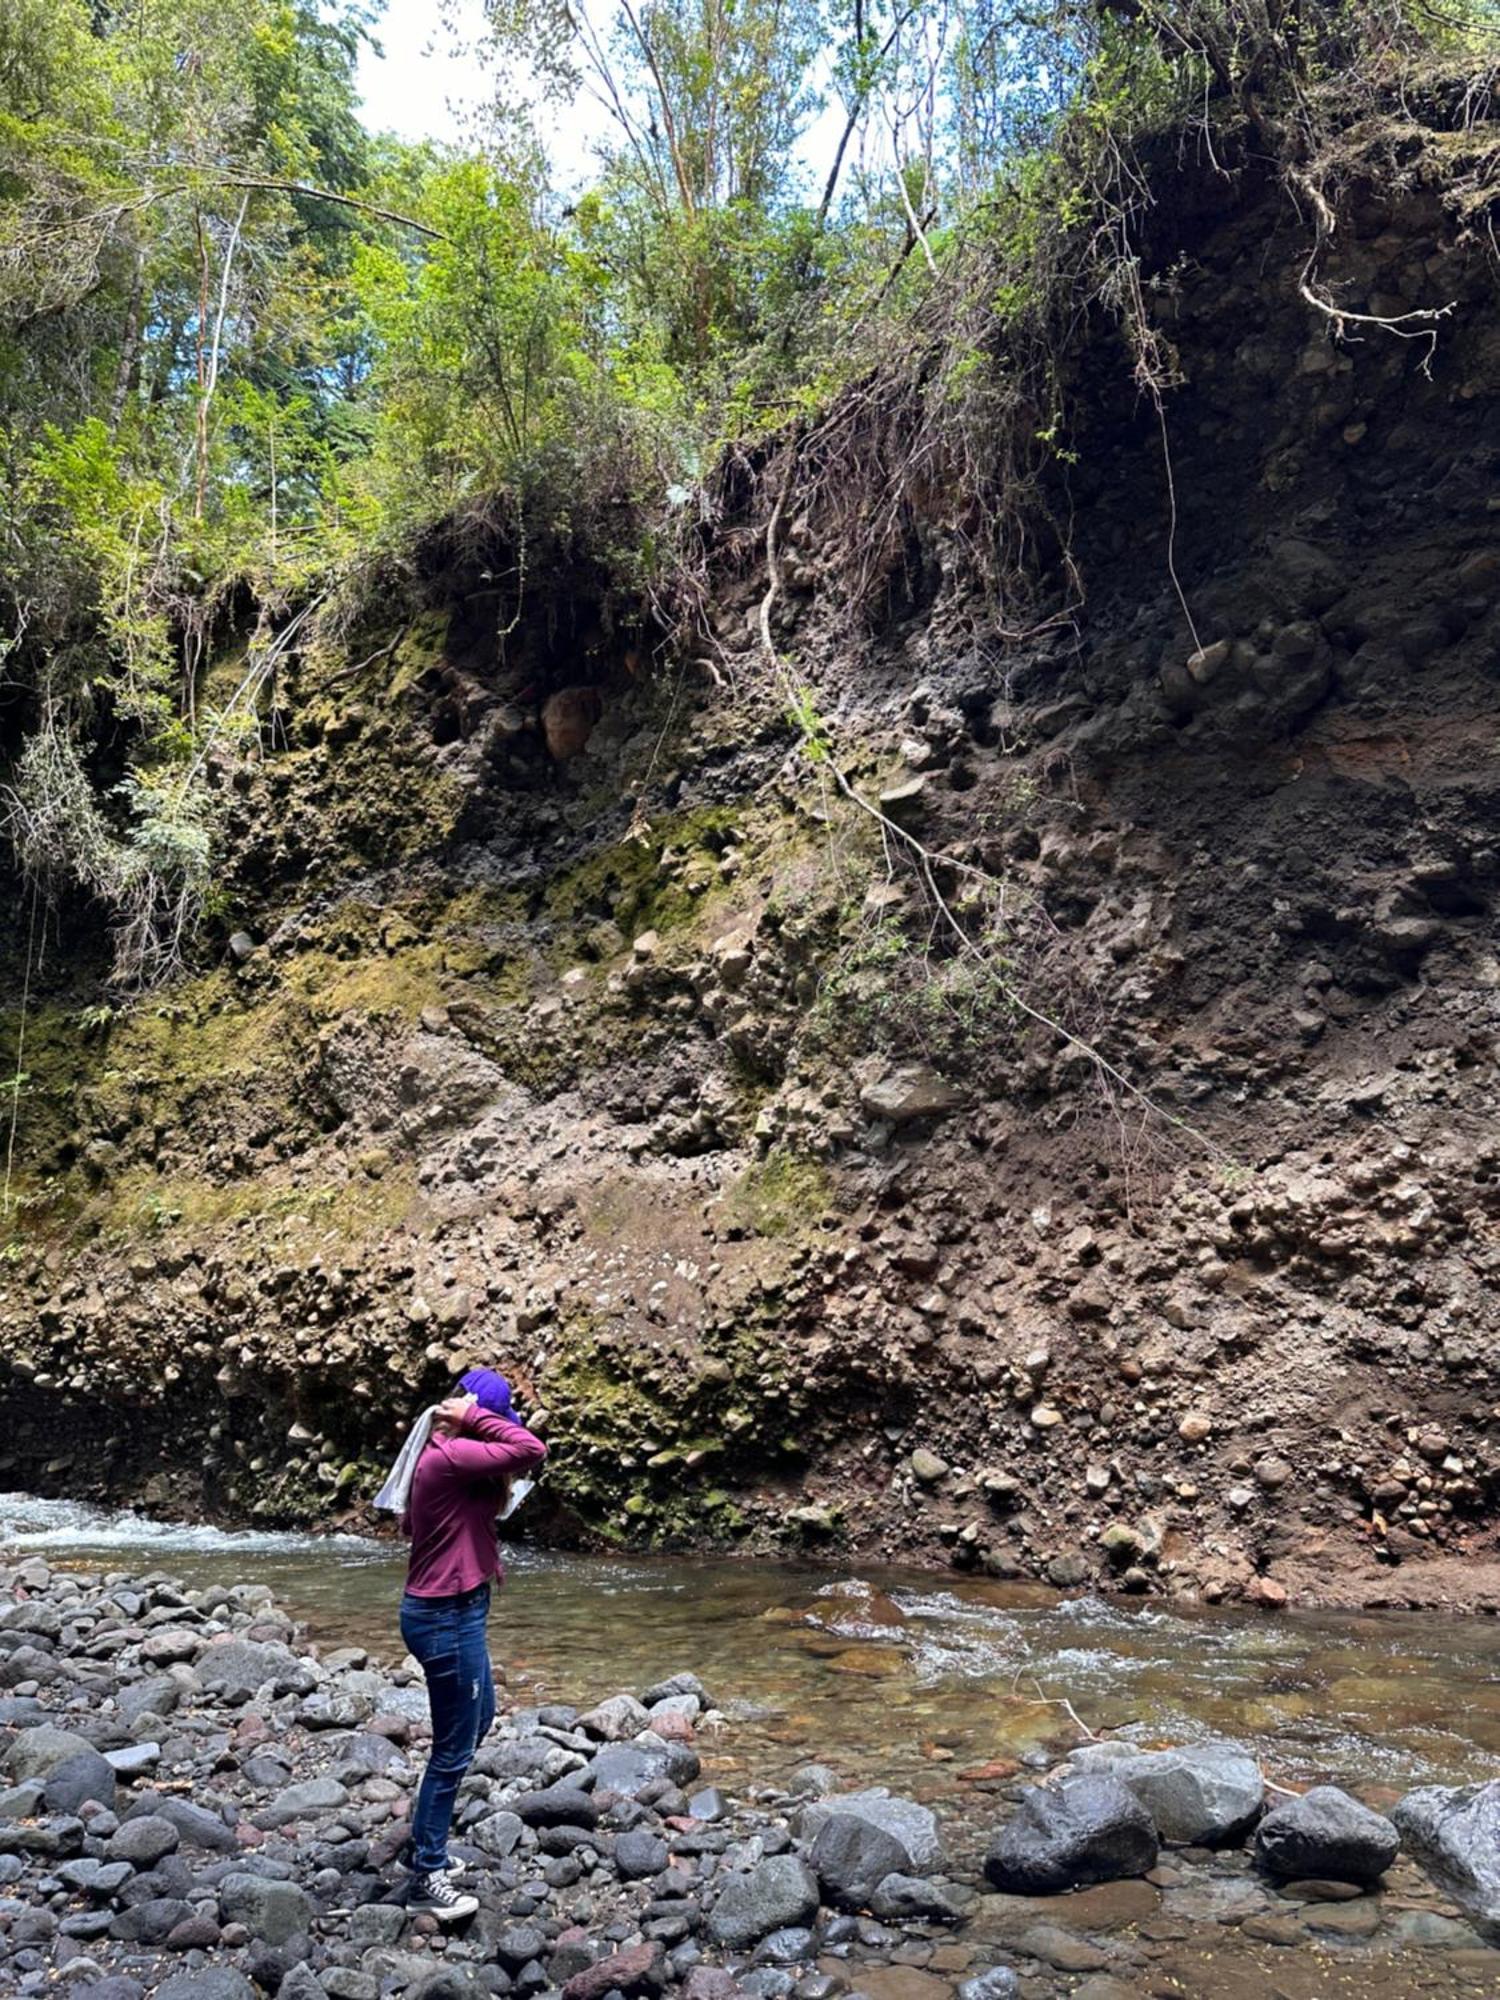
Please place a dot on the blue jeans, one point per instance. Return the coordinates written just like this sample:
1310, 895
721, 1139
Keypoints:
447, 1635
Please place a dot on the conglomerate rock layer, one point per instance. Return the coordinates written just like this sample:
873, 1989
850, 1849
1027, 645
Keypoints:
565, 1013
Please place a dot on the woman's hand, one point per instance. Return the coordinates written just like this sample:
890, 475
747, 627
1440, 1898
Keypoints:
448, 1419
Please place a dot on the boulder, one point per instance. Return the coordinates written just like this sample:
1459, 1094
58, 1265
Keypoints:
1204, 1795
36, 1753
238, 1668
904, 1820
558, 1805
617, 1719
630, 1767
1085, 1829
304, 1801
209, 1982
272, 1912
999, 1983
150, 1922
164, 1649
77, 1779
638, 1970
915, 1091
143, 1841
902, 1899
497, 1833
1454, 1832
640, 1853
779, 1891
852, 1857
676, 1684
1326, 1836
157, 1696
197, 1826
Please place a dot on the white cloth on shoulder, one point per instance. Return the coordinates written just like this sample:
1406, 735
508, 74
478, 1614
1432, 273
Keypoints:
395, 1493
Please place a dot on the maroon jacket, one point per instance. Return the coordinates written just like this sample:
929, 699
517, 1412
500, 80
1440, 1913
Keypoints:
457, 1490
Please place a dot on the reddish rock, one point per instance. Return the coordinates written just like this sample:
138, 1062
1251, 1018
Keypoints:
710, 1982
568, 719
997, 1767
673, 1728
640, 1970
1265, 1591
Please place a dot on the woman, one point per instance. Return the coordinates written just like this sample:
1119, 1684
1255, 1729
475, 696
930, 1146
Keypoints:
459, 1483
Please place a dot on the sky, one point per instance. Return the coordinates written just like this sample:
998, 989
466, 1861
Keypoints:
428, 82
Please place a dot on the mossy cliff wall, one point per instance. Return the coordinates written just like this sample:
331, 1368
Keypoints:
646, 1069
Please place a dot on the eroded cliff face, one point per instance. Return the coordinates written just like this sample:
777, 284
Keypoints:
599, 1036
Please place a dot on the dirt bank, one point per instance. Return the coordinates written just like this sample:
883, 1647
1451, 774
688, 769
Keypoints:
562, 1010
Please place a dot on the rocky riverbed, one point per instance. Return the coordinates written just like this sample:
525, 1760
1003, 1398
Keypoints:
198, 1804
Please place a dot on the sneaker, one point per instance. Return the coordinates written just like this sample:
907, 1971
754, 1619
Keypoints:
435, 1896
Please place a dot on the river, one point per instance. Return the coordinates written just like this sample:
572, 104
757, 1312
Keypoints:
893, 1676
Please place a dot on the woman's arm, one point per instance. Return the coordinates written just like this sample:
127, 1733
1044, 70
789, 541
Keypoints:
485, 1446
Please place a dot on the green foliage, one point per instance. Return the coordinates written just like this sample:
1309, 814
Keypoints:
247, 350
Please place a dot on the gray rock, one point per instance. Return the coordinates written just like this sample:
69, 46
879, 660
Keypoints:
1326, 1835
23, 1801
38, 1752
99, 1879
449, 1982
59, 1836
630, 1767
914, 1826
999, 1983
639, 1853
852, 1858
497, 1834
676, 1684
1454, 1832
32, 1615
915, 1091
164, 1649
616, 1720
143, 1841
272, 1912
775, 1894
135, 1760
304, 1801
1204, 1795
113, 1986
377, 1923
347, 1982
912, 1899
238, 1668
27, 1663
301, 1983
151, 1922
520, 1945
558, 1805
334, 1710
157, 1696
792, 1946
197, 1826
209, 1982
1085, 1829
77, 1779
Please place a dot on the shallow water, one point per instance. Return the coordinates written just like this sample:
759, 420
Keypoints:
889, 1676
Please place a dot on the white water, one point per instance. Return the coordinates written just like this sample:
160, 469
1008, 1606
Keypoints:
67, 1525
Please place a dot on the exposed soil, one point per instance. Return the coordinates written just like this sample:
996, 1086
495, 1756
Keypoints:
620, 1050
